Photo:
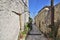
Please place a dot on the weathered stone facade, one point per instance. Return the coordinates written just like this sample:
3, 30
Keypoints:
43, 19
57, 17
9, 21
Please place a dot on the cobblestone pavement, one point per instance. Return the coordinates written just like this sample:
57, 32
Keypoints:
35, 34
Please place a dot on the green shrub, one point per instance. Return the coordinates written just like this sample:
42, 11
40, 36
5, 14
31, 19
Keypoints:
50, 34
24, 32
27, 28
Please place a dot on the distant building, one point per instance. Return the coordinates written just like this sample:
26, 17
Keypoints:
10, 22
43, 18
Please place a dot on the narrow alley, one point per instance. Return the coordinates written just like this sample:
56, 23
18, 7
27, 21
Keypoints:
35, 34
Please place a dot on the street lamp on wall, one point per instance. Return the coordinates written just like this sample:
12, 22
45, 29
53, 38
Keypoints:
46, 9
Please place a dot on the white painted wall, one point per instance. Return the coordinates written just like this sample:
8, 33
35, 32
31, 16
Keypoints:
9, 21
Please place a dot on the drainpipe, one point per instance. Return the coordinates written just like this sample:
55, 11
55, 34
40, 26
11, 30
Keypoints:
52, 12
52, 20
19, 14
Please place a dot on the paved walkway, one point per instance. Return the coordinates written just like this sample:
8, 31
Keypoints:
35, 34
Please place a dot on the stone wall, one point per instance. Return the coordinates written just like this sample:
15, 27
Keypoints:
57, 18
9, 21
43, 19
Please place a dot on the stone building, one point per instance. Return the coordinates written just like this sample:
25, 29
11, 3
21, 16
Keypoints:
43, 18
10, 22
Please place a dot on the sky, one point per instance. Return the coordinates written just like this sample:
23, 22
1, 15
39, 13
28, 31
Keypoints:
36, 5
